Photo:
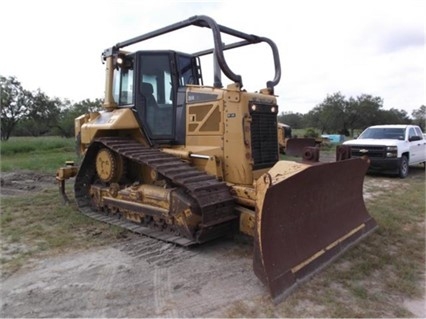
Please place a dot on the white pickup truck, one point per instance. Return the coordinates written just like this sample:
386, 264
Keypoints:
390, 148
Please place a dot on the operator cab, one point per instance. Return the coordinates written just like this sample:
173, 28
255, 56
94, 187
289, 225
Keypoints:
152, 83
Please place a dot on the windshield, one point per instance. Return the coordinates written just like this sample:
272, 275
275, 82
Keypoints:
383, 133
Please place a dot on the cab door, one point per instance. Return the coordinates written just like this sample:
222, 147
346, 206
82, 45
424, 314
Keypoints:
417, 146
154, 95
422, 141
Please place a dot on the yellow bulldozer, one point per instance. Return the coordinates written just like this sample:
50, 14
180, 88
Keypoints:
186, 162
293, 145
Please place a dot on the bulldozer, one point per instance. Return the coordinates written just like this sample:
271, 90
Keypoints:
284, 134
185, 162
292, 145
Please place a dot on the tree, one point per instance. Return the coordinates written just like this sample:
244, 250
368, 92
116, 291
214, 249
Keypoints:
87, 106
368, 107
15, 105
69, 112
43, 116
328, 116
336, 114
419, 117
394, 116
295, 120
352, 115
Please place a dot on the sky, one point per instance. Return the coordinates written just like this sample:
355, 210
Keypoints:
353, 47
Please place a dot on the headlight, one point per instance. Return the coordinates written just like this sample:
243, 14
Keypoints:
391, 151
391, 154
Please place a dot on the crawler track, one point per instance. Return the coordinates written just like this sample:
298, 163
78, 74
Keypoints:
215, 202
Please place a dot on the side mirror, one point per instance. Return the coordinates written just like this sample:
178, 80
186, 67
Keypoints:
414, 138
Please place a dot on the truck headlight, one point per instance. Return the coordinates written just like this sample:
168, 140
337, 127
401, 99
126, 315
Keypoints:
391, 151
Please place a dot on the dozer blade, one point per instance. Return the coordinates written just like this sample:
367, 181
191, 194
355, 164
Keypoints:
306, 215
296, 146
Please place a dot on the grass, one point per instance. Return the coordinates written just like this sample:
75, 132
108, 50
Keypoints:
369, 280
37, 224
40, 154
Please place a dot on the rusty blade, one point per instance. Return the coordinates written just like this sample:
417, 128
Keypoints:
306, 219
296, 146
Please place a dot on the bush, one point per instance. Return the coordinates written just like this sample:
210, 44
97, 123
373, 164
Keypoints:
310, 132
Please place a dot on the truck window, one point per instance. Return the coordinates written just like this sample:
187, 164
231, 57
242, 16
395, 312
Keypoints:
419, 132
412, 132
383, 133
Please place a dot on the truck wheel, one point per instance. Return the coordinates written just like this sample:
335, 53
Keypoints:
403, 167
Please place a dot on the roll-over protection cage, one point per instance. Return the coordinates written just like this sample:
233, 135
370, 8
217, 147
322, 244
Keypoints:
219, 58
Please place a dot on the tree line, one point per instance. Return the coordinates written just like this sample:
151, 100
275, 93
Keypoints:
340, 115
25, 113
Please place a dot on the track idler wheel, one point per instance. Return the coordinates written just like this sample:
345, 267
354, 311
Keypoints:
109, 166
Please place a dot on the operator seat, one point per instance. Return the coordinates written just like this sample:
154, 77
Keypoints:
147, 91
151, 106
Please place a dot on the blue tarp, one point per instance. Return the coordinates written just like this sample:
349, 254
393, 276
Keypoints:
334, 138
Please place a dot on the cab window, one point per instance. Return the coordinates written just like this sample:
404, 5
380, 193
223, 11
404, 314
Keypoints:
156, 88
411, 133
187, 70
123, 86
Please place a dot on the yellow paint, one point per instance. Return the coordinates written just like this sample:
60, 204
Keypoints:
322, 251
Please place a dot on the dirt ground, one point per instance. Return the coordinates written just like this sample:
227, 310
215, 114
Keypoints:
139, 276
